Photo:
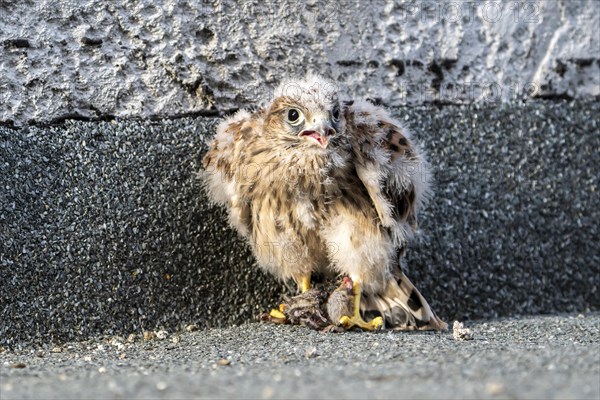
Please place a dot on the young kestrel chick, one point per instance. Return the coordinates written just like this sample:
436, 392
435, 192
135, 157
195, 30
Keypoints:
319, 185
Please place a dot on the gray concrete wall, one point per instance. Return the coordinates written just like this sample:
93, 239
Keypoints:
96, 58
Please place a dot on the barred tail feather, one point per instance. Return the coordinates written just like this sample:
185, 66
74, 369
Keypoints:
402, 307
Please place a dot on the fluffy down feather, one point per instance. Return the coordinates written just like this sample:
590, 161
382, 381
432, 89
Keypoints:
319, 185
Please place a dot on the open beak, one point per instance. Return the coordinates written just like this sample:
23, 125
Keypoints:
319, 134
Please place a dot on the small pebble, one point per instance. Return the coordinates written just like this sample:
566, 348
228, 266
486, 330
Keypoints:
459, 332
224, 362
18, 365
162, 335
268, 392
494, 388
310, 352
191, 328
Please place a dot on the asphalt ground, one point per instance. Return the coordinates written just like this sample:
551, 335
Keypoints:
544, 357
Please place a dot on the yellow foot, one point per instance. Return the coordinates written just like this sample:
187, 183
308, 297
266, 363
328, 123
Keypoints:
373, 325
356, 320
276, 314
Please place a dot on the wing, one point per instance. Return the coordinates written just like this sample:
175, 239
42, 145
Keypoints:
394, 172
390, 166
221, 164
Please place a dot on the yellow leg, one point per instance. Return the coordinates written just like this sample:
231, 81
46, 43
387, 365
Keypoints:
304, 284
356, 320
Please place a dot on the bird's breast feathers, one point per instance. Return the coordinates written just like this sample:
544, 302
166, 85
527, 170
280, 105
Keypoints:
370, 167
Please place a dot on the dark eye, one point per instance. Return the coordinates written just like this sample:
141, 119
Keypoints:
294, 116
336, 113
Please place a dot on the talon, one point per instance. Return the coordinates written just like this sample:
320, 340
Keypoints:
373, 325
276, 314
356, 320
377, 323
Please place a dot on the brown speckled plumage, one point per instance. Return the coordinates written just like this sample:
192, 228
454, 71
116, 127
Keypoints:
335, 191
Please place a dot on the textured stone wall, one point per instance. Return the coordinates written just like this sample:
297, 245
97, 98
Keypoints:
104, 227
96, 58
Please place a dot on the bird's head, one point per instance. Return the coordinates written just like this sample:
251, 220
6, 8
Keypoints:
306, 114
